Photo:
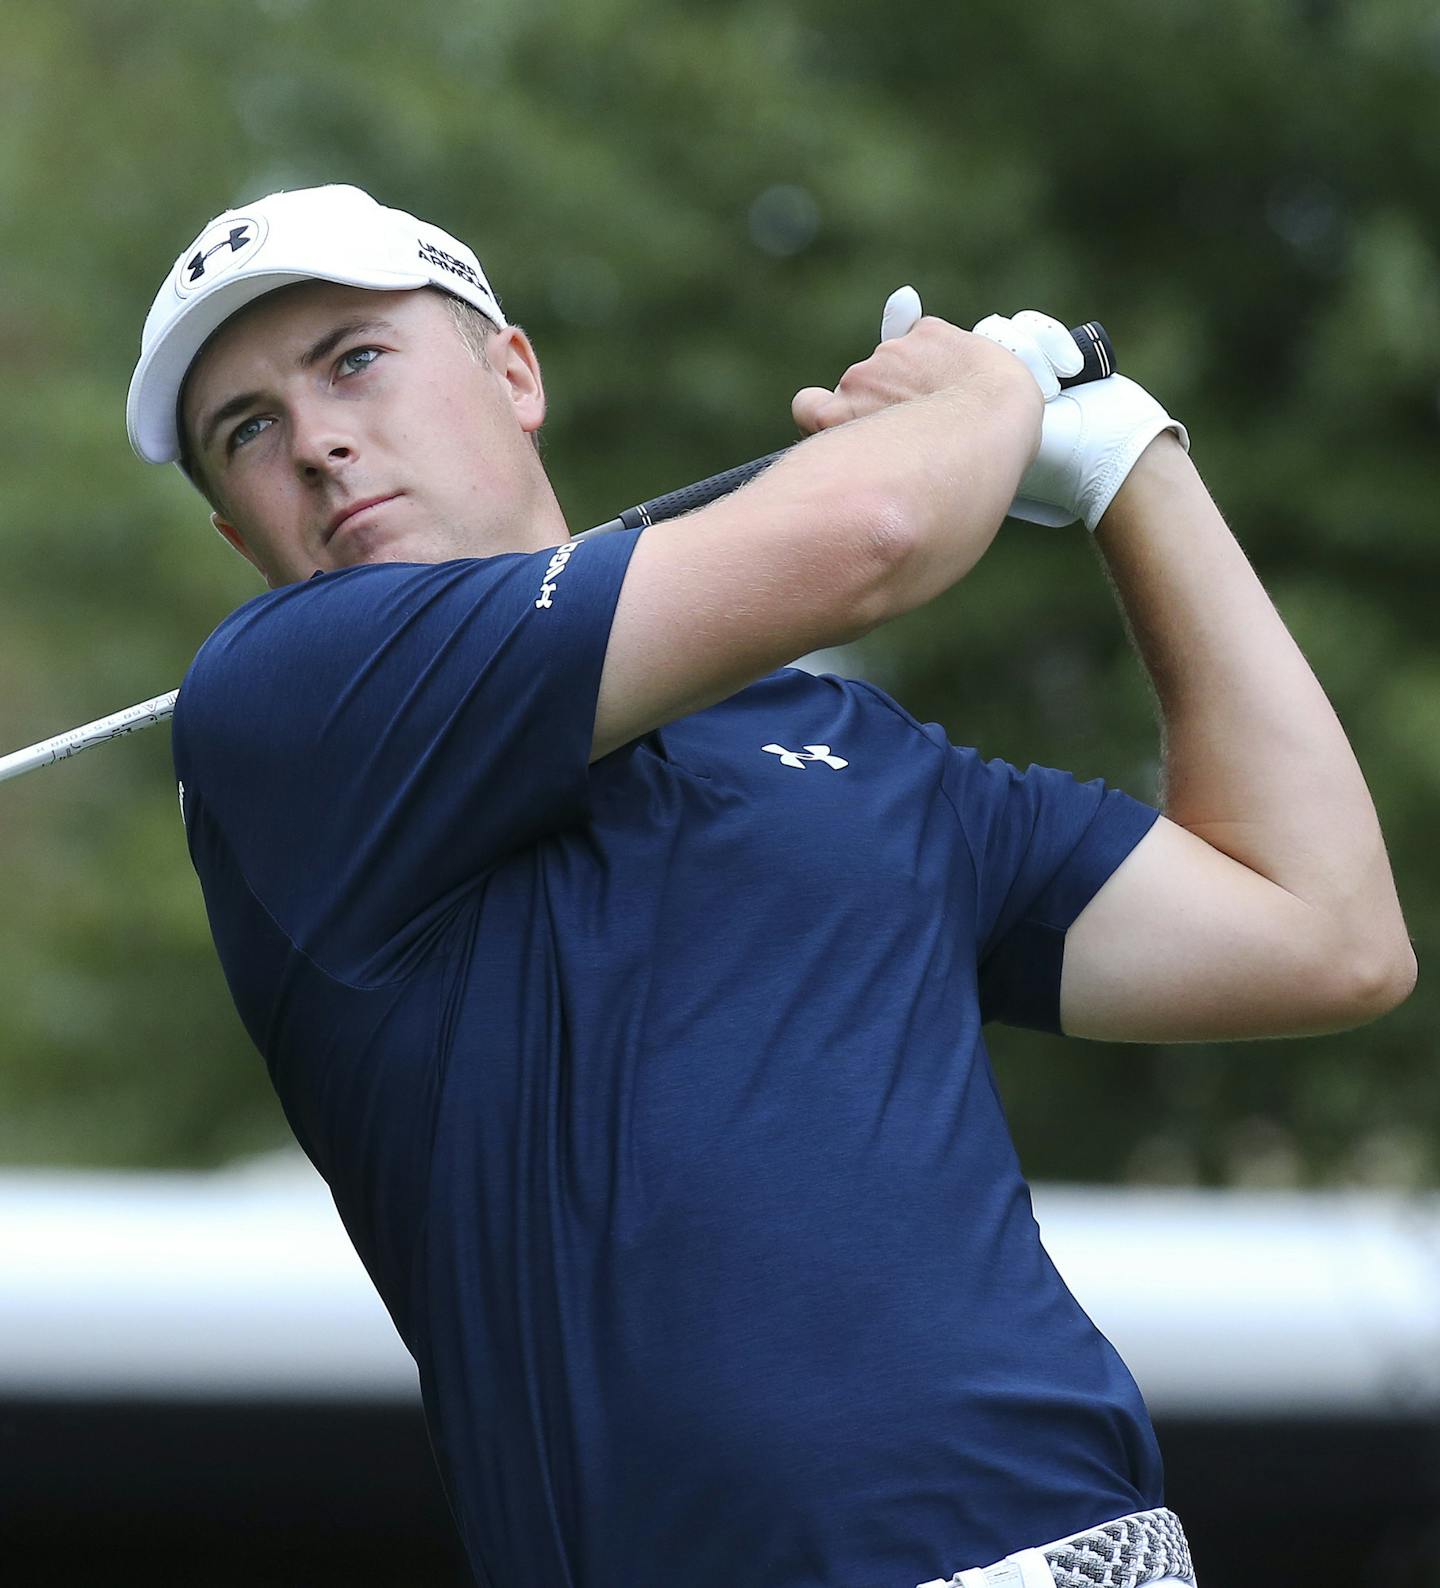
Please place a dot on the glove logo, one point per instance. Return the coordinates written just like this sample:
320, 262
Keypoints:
216, 251
811, 752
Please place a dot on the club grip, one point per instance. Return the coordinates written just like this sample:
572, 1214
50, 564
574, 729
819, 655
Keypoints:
689, 497
1094, 343
1098, 350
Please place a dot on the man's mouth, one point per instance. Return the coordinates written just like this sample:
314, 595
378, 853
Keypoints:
354, 510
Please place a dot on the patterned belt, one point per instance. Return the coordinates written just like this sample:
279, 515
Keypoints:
1125, 1553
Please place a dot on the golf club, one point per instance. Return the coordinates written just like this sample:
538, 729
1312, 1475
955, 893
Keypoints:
1094, 343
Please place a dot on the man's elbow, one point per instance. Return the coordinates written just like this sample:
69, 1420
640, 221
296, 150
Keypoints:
1380, 982
884, 542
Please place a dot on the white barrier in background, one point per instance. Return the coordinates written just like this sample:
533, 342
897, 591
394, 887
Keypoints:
1259, 1303
241, 1284
238, 1285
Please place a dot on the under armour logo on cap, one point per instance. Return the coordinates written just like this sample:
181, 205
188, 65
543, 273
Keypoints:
239, 236
457, 267
234, 240
811, 752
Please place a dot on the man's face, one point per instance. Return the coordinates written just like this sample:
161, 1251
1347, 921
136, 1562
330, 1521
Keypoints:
338, 426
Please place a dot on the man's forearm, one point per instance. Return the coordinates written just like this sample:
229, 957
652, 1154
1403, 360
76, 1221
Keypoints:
1255, 760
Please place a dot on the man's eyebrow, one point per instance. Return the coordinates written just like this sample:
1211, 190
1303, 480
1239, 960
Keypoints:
332, 339
315, 354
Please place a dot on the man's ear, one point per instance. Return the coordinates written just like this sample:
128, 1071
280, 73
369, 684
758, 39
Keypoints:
511, 355
229, 532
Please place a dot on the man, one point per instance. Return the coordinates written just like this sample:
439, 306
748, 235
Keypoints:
627, 990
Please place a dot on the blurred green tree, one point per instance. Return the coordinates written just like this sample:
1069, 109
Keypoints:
695, 210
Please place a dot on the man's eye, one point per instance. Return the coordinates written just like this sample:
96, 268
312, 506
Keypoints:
247, 432
360, 357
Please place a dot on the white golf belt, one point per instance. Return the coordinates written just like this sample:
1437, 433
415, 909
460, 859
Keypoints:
1146, 1549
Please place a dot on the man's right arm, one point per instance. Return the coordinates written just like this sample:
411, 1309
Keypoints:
911, 465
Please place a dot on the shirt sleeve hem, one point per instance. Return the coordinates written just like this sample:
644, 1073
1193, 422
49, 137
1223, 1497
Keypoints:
1020, 980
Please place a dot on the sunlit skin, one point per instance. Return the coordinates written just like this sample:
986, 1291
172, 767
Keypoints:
400, 410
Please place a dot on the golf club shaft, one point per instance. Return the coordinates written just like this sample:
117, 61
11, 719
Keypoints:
64, 745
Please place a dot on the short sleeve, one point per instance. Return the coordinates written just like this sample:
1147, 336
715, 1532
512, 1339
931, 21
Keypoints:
368, 742
1043, 844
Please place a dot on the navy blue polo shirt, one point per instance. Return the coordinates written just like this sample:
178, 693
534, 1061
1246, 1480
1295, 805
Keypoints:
653, 1093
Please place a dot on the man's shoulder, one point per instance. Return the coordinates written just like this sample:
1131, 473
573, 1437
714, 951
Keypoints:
275, 632
374, 628
265, 642
325, 594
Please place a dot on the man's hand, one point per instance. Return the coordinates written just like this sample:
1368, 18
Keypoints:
1044, 346
1092, 435
932, 357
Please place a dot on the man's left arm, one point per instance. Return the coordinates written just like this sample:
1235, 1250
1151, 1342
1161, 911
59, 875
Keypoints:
1262, 902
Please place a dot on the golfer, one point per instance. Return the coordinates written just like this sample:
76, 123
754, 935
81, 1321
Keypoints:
627, 985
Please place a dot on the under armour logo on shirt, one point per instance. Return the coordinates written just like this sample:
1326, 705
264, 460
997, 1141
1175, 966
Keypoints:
552, 572
811, 752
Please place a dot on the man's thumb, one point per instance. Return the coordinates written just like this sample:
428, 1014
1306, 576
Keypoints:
814, 408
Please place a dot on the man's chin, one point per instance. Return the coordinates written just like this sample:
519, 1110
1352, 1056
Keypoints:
382, 543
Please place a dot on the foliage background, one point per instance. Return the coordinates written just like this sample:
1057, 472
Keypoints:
695, 210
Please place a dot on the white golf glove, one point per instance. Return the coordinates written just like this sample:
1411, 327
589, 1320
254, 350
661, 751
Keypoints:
1091, 436
902, 310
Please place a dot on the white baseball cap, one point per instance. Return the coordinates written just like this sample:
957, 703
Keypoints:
331, 233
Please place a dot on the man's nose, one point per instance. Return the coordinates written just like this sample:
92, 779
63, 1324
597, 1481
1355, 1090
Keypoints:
321, 446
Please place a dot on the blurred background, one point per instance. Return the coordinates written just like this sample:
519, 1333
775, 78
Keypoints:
695, 210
